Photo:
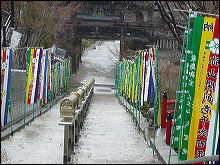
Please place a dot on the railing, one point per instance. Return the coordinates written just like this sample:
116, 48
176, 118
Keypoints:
164, 112
167, 121
205, 159
22, 114
167, 117
6, 31
73, 110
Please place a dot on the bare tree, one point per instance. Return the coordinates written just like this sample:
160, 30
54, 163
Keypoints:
38, 20
168, 72
177, 20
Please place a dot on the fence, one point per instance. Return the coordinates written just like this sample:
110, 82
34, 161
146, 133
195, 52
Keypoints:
206, 159
137, 82
21, 113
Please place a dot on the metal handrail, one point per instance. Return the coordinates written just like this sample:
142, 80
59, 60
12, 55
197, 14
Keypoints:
6, 29
199, 160
73, 125
9, 19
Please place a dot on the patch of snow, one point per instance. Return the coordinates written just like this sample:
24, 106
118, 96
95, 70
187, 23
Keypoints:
15, 38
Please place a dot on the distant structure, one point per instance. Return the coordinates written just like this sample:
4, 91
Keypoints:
134, 24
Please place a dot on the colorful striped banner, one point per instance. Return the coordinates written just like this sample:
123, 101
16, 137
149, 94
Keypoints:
49, 74
146, 76
149, 75
185, 99
33, 74
6, 64
143, 70
133, 75
152, 77
44, 76
56, 78
194, 130
137, 82
138, 62
127, 79
205, 84
157, 101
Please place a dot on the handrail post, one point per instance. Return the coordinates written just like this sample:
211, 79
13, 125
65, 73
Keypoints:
72, 134
168, 127
67, 142
76, 130
164, 110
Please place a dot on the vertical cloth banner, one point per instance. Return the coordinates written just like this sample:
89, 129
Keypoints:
149, 74
157, 101
204, 107
186, 98
49, 75
152, 78
143, 70
197, 105
138, 63
33, 74
146, 71
6, 65
56, 78
137, 79
44, 75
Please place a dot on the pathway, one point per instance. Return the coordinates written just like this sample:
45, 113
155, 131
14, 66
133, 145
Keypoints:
109, 135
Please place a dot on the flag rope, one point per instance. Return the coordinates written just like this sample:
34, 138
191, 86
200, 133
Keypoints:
190, 11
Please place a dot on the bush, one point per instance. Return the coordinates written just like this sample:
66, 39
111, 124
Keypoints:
145, 108
87, 43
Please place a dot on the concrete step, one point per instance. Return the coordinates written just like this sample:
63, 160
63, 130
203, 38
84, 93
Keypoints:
109, 136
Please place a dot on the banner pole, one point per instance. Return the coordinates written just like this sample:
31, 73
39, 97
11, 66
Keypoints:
9, 85
10, 107
156, 96
186, 58
40, 103
133, 109
24, 112
139, 116
177, 94
215, 127
25, 90
46, 107
33, 112
197, 12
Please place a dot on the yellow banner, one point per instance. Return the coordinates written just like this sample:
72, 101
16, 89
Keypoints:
201, 71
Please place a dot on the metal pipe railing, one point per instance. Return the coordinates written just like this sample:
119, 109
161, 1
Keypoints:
6, 30
205, 159
164, 112
8, 20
